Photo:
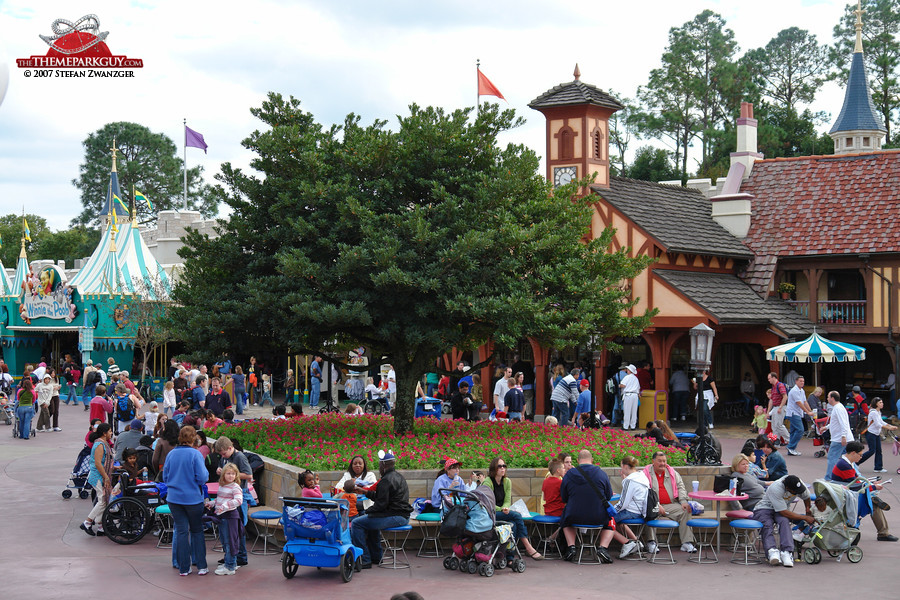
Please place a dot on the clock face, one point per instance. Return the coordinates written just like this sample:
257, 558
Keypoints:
563, 175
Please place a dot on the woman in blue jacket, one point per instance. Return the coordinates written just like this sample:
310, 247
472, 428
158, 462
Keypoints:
184, 475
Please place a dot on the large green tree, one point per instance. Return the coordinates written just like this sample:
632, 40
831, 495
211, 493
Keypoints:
146, 160
881, 49
790, 69
409, 241
11, 236
653, 164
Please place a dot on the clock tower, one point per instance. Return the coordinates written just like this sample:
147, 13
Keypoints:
577, 131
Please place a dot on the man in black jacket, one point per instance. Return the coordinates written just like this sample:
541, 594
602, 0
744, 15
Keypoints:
391, 509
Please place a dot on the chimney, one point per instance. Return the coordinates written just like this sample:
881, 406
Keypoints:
746, 153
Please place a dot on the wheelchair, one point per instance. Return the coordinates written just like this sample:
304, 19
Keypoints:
131, 515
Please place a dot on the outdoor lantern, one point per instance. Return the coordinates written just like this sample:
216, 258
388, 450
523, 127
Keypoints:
701, 346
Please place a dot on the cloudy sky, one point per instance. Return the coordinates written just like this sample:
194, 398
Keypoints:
209, 62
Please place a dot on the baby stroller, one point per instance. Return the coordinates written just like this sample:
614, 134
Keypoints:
6, 410
317, 534
482, 545
13, 404
78, 477
822, 436
839, 534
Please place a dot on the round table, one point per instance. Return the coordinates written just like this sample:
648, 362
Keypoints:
715, 498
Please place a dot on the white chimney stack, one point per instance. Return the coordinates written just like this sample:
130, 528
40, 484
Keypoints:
746, 153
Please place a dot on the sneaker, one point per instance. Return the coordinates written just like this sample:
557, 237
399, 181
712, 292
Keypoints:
88, 528
365, 565
712, 426
880, 471
794, 452
682, 417
57, 429
628, 548
774, 556
787, 559
798, 536
652, 547
202, 571
240, 563
688, 547
225, 571
185, 574
887, 538
879, 503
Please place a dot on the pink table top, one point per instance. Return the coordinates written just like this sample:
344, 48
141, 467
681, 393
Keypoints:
212, 488
711, 495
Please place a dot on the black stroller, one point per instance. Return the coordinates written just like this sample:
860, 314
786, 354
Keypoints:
78, 478
482, 545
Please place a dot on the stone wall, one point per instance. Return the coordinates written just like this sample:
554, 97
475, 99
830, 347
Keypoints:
280, 479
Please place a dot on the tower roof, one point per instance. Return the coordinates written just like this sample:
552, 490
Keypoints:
858, 112
113, 191
574, 93
6, 288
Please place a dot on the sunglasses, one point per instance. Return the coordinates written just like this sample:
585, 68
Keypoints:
501, 466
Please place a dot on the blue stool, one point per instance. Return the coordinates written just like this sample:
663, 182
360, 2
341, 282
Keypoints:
639, 523
746, 541
667, 527
549, 548
265, 516
431, 532
704, 533
588, 539
393, 545
167, 533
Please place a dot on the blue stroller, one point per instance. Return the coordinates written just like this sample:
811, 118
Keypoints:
317, 534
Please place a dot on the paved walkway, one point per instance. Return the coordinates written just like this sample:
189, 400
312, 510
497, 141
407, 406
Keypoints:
45, 556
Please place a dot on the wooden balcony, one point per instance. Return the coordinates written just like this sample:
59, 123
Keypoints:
835, 312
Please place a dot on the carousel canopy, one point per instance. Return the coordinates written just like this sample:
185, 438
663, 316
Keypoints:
6, 288
815, 349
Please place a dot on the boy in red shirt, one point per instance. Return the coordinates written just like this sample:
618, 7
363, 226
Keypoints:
553, 504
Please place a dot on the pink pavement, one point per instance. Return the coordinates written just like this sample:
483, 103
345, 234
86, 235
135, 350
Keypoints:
46, 556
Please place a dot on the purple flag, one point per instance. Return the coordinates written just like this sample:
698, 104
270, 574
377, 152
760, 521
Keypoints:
194, 139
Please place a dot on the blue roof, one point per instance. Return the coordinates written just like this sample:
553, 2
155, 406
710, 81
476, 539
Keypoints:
858, 111
113, 188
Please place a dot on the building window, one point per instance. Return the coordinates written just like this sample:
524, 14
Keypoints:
867, 141
566, 143
597, 143
849, 142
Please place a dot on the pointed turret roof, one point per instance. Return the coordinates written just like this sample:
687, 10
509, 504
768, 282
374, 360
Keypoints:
6, 288
574, 93
21, 270
113, 191
858, 112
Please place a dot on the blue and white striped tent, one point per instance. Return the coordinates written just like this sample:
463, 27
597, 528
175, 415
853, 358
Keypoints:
21, 272
140, 269
6, 288
816, 349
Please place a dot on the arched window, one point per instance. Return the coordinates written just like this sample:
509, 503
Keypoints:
566, 137
597, 145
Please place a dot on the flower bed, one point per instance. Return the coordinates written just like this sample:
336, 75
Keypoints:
326, 442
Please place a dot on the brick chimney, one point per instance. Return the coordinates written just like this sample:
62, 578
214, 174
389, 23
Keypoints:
746, 153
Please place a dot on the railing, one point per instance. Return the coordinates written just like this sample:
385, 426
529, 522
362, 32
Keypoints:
837, 312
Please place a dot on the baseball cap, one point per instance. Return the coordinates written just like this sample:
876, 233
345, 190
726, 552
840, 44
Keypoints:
136, 425
450, 462
584, 382
793, 484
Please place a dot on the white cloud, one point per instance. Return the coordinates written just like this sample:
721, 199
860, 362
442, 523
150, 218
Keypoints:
210, 62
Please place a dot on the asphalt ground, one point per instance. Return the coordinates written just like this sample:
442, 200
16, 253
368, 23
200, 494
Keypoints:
44, 555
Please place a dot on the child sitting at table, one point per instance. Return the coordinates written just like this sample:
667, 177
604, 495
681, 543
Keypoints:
309, 484
553, 503
348, 493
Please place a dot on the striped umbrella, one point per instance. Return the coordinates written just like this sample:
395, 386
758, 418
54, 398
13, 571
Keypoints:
816, 349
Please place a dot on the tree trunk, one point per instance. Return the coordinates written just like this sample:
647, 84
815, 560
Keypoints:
408, 374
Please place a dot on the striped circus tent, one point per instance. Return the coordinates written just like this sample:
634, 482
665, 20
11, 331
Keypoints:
6, 288
21, 272
138, 265
816, 349
86, 280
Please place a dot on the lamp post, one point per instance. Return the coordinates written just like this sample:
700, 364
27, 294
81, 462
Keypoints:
703, 451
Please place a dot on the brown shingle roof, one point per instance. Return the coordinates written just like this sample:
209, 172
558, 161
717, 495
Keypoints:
732, 302
573, 93
679, 218
815, 205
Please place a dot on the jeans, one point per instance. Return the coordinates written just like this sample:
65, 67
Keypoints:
519, 530
678, 404
874, 442
239, 401
266, 397
796, 431
365, 533
431, 388
25, 414
230, 557
314, 389
835, 450
617, 416
768, 518
88, 393
188, 544
561, 412
73, 395
288, 395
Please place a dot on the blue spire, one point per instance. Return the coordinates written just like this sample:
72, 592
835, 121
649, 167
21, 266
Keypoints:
113, 190
858, 112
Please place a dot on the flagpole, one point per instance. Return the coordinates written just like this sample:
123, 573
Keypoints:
477, 82
185, 164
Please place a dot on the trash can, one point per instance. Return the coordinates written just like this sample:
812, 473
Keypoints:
654, 406
428, 407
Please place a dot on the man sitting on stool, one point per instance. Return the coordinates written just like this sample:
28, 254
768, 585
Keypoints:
391, 509
775, 508
673, 501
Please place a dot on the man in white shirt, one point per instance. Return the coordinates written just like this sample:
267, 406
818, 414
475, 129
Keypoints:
392, 386
839, 428
631, 391
500, 389
796, 408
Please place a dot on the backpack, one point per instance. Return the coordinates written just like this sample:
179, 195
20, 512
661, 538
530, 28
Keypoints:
651, 509
6, 386
92, 378
125, 408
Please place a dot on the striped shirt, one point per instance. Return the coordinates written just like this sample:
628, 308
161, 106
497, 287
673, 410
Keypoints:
229, 498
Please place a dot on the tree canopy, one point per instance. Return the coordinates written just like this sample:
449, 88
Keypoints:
67, 244
409, 241
146, 160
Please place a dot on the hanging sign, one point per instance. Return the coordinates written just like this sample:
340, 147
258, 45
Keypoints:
46, 295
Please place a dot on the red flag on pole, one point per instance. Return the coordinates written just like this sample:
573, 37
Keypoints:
486, 88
